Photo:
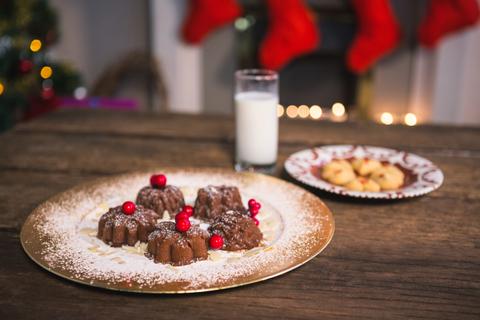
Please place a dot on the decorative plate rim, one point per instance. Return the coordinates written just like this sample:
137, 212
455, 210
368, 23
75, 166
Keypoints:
428, 176
33, 252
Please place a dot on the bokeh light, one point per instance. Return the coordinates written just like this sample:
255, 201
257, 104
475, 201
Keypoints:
292, 111
303, 111
386, 118
46, 72
338, 109
410, 119
315, 112
80, 93
280, 110
241, 24
35, 45
2, 88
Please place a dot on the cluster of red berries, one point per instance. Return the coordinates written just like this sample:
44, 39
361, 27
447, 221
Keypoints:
182, 224
182, 219
254, 208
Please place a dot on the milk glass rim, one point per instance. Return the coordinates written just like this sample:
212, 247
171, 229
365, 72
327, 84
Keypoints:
256, 74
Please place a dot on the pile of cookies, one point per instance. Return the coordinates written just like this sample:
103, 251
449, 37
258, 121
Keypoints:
363, 175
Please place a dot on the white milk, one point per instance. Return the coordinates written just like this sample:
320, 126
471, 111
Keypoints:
257, 127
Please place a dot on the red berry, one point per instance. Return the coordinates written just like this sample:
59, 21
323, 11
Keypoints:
188, 209
216, 242
182, 225
128, 208
158, 180
258, 206
181, 215
256, 221
253, 211
251, 203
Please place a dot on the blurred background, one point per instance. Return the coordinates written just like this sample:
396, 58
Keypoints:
130, 55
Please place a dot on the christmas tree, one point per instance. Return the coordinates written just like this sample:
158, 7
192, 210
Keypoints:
30, 83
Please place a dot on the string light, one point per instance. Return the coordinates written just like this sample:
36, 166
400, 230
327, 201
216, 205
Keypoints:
338, 109
292, 111
303, 111
280, 110
2, 88
46, 72
410, 119
35, 45
386, 118
315, 112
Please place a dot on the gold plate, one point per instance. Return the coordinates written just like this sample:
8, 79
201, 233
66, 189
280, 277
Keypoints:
59, 235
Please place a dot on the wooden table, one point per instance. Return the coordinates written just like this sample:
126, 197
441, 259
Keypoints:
416, 258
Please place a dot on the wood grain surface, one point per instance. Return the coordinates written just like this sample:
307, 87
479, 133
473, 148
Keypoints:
410, 259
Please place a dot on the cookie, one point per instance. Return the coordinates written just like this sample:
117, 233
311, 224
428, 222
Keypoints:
329, 169
338, 172
389, 177
365, 166
363, 184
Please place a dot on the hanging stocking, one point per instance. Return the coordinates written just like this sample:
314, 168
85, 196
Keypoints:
206, 15
291, 33
378, 34
444, 17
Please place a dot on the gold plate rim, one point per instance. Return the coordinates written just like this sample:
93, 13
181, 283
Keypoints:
28, 223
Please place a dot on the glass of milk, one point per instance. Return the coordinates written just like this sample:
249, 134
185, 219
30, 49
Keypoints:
256, 100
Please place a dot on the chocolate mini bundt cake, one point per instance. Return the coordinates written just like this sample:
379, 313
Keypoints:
126, 224
238, 231
213, 201
167, 245
160, 197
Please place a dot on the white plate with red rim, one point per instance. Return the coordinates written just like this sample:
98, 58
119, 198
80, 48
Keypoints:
421, 175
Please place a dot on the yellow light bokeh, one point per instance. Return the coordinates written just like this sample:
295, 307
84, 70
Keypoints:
35, 45
315, 112
2, 88
410, 119
46, 72
280, 110
386, 118
338, 109
303, 111
292, 111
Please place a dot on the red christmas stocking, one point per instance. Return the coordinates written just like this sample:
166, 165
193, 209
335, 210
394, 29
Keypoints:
291, 33
206, 15
378, 34
444, 17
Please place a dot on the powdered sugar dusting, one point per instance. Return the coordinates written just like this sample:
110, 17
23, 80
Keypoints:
288, 221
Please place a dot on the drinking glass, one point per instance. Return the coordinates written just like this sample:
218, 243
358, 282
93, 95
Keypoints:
256, 100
